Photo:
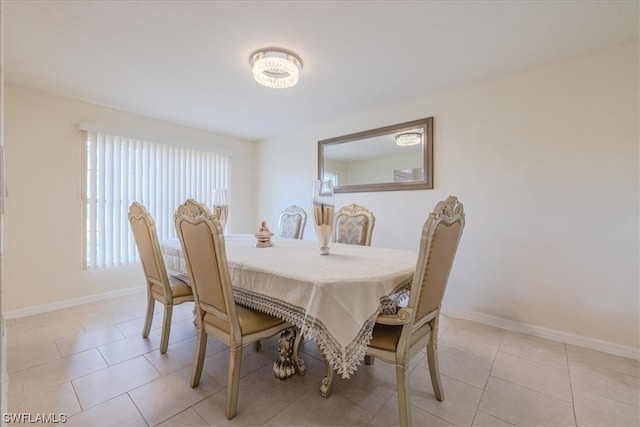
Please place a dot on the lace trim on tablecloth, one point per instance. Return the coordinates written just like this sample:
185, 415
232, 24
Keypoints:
345, 362
398, 298
401, 293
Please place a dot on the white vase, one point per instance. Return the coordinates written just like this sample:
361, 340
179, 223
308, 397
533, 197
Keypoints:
323, 209
221, 206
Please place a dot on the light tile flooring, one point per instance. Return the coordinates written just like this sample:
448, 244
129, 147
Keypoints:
91, 364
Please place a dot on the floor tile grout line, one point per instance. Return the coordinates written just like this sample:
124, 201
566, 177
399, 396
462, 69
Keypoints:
316, 387
610, 371
495, 355
494, 416
529, 388
382, 406
532, 390
108, 367
75, 394
573, 400
138, 409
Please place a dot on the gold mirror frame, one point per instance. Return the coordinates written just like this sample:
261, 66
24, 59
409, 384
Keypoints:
424, 126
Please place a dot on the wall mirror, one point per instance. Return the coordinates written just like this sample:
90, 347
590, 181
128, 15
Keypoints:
397, 157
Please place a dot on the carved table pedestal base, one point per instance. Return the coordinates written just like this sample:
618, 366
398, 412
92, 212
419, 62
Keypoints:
288, 363
325, 387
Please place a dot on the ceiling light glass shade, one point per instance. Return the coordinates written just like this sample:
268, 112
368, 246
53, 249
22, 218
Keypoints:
408, 138
276, 69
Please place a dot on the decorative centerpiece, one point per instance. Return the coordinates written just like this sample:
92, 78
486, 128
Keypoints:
221, 206
264, 236
323, 208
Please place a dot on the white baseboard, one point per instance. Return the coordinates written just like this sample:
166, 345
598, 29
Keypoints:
37, 309
551, 334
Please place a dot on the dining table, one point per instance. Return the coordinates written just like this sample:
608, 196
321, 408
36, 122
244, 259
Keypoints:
333, 299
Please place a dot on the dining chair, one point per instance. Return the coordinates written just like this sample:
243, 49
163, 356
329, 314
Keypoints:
398, 337
167, 290
353, 224
292, 222
202, 240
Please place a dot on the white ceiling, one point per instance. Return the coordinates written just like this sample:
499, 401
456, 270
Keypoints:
188, 61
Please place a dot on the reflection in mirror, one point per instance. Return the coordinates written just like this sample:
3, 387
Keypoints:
397, 157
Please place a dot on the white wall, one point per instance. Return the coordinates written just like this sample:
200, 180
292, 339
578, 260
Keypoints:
42, 241
546, 163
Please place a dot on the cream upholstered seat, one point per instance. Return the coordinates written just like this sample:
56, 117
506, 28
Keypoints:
292, 222
217, 314
397, 338
353, 224
166, 289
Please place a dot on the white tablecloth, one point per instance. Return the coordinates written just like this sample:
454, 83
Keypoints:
333, 299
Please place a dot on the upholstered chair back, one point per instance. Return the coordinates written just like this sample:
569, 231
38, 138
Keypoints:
440, 236
202, 240
353, 225
168, 290
144, 233
292, 222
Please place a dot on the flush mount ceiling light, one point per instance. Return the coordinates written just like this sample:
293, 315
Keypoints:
408, 138
276, 68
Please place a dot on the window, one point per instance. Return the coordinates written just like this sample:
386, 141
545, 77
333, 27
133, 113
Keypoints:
331, 176
118, 171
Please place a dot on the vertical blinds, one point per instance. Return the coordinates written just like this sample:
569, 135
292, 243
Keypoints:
118, 171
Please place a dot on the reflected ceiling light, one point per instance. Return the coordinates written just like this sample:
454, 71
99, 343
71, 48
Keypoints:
408, 138
276, 68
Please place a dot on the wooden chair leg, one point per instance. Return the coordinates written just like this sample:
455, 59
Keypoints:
201, 348
404, 402
235, 359
434, 370
368, 360
166, 328
257, 345
151, 303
